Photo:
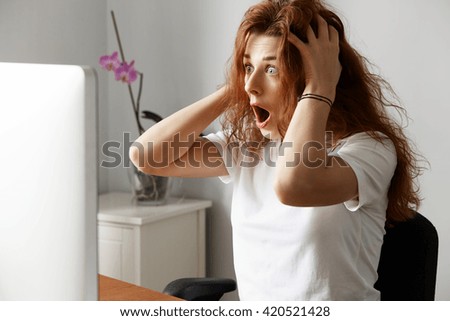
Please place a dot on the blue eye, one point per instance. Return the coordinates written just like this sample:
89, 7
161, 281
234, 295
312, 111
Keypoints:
272, 70
248, 69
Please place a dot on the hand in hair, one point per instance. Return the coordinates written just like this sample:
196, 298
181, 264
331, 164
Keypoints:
320, 59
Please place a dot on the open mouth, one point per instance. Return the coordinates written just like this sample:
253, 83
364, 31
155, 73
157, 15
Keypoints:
262, 116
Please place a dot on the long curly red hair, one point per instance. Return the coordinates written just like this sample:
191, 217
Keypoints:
362, 101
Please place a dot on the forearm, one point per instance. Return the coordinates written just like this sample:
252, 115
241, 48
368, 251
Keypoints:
304, 151
305, 175
171, 138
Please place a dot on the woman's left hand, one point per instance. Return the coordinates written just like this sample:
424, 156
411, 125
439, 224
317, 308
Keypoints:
320, 59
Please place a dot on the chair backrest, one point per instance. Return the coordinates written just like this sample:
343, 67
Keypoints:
408, 262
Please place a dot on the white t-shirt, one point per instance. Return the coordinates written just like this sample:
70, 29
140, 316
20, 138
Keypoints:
308, 253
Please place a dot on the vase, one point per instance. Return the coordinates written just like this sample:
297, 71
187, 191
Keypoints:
148, 189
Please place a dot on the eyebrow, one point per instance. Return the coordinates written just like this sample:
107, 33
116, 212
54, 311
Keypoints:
267, 58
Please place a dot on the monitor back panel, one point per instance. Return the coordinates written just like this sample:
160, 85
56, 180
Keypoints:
48, 182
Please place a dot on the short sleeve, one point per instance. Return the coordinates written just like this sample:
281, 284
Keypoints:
219, 140
373, 163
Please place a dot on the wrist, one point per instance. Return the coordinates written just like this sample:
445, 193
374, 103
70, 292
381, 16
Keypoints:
325, 91
219, 98
324, 99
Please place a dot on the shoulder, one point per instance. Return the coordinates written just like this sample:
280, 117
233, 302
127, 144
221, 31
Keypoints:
364, 144
373, 159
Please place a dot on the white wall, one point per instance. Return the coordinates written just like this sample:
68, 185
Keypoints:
409, 41
56, 32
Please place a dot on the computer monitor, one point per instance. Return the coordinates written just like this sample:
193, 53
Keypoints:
48, 182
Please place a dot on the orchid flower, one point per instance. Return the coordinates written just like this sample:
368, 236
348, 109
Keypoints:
126, 73
110, 63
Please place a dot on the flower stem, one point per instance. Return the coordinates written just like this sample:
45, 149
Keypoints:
138, 106
130, 90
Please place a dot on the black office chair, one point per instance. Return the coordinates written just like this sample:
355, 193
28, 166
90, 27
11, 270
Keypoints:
406, 272
200, 289
408, 262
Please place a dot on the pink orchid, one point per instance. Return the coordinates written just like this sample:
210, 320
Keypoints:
110, 62
126, 73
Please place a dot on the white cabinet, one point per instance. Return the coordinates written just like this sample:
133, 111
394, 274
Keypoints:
151, 245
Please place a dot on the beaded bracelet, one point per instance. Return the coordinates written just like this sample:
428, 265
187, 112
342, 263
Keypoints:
317, 97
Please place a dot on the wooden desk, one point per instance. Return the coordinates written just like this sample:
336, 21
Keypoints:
110, 289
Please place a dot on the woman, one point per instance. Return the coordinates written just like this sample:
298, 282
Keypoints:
318, 166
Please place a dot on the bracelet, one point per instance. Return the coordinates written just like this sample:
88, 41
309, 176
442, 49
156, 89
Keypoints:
317, 97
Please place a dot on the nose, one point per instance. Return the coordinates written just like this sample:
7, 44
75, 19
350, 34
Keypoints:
253, 84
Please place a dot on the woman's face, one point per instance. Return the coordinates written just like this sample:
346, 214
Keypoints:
263, 82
